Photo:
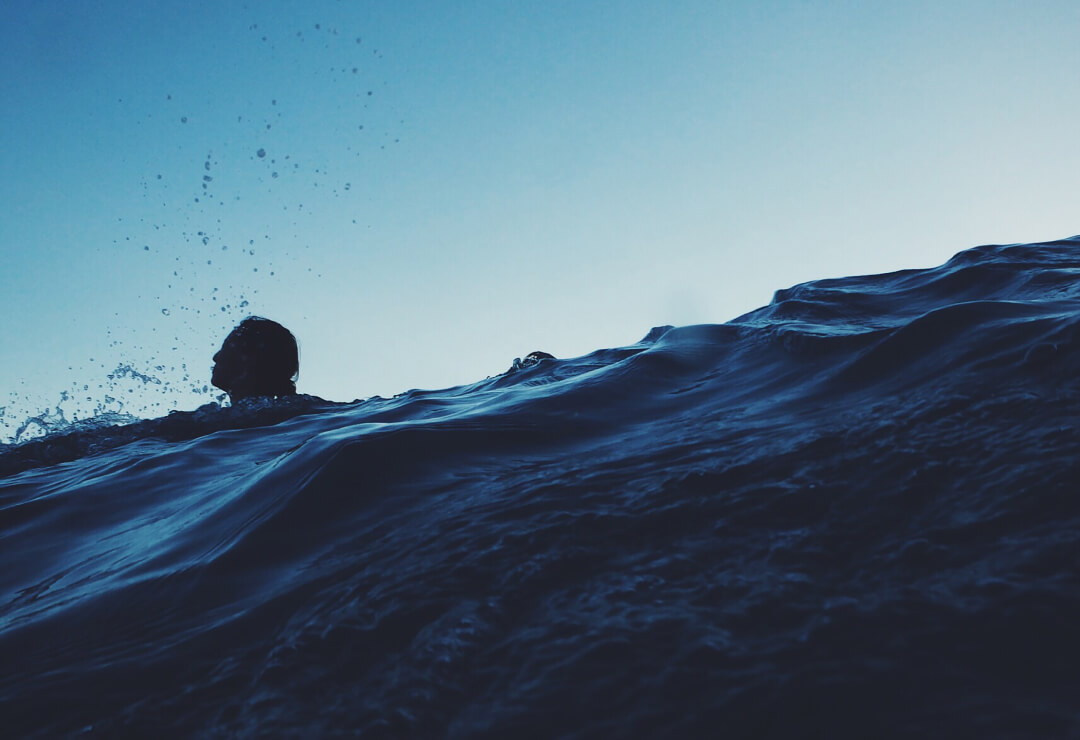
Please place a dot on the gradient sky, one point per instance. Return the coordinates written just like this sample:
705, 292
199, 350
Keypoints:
445, 186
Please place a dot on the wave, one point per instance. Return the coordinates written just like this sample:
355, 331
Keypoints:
849, 511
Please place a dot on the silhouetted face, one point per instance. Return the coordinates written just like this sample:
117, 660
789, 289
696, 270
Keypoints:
230, 364
258, 358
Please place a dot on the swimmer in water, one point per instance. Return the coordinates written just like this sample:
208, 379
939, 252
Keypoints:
258, 358
531, 360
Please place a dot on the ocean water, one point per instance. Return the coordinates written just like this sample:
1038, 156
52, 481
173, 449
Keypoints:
853, 512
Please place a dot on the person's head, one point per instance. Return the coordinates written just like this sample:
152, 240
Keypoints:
258, 358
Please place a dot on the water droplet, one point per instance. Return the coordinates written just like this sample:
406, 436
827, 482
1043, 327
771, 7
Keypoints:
164, 312
261, 153
146, 247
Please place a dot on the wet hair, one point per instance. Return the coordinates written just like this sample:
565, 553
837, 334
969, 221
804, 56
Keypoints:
269, 359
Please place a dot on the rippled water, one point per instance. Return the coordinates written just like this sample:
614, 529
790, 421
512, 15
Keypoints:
853, 511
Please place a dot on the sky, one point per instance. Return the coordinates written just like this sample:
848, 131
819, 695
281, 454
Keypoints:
423, 191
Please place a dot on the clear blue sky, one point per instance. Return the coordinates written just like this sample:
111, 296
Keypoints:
458, 184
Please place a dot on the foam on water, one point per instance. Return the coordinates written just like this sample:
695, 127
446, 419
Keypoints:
850, 511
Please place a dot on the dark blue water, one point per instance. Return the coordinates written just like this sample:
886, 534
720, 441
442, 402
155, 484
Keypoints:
852, 512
